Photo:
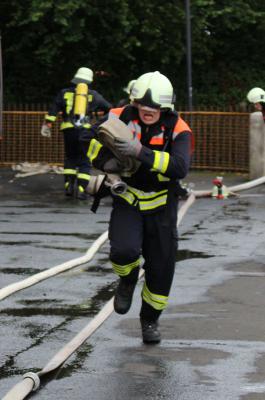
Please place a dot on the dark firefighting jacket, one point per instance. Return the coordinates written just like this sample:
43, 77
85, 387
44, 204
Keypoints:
165, 156
64, 102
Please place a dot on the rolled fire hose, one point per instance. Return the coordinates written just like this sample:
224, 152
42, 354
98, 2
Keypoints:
31, 380
114, 129
32, 280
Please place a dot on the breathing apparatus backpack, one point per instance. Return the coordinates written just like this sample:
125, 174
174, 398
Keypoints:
79, 114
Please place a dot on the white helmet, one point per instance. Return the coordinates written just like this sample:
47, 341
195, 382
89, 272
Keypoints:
256, 95
129, 87
83, 74
153, 90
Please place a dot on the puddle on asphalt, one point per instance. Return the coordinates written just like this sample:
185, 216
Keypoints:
188, 254
80, 357
99, 269
19, 271
8, 368
50, 307
16, 243
85, 236
37, 244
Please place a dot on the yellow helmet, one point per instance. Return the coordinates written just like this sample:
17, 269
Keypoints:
129, 87
153, 90
83, 75
256, 95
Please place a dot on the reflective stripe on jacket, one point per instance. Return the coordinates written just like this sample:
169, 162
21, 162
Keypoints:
164, 157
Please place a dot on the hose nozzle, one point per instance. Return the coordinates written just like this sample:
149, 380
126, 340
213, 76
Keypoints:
116, 185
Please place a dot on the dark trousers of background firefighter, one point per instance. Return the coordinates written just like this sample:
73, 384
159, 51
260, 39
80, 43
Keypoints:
153, 235
75, 159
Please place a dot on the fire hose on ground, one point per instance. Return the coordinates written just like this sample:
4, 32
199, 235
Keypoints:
34, 279
31, 380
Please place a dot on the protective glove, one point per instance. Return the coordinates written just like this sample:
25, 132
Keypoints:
130, 148
112, 165
46, 130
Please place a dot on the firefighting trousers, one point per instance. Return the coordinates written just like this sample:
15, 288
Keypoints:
153, 236
76, 163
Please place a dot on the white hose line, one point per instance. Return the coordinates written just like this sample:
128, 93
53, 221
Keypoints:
236, 188
15, 287
32, 280
31, 381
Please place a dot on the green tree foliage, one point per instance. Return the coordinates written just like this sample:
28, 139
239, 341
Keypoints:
45, 41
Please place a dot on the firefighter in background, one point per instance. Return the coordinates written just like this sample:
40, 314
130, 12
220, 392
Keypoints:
76, 163
143, 219
127, 89
257, 97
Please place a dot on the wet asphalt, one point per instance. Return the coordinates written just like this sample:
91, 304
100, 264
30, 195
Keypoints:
213, 330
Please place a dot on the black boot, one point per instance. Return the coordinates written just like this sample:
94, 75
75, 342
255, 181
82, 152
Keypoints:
69, 186
124, 292
150, 332
81, 194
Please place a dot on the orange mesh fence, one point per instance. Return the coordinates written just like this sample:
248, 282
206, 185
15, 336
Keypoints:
221, 140
22, 140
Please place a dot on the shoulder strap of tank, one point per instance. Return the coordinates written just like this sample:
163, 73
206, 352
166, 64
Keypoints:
171, 121
128, 114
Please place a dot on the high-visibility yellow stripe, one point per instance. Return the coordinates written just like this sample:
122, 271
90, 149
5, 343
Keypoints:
141, 195
161, 161
69, 99
124, 270
146, 201
83, 176
51, 118
129, 197
68, 171
162, 178
93, 150
157, 301
151, 204
67, 124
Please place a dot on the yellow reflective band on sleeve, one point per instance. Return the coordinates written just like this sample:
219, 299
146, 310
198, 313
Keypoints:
93, 150
86, 177
157, 301
161, 161
66, 125
68, 171
162, 178
124, 270
69, 99
51, 118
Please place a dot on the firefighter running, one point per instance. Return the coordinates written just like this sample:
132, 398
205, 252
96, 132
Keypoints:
143, 219
76, 163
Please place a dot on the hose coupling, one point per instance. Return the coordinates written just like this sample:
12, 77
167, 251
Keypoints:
35, 378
